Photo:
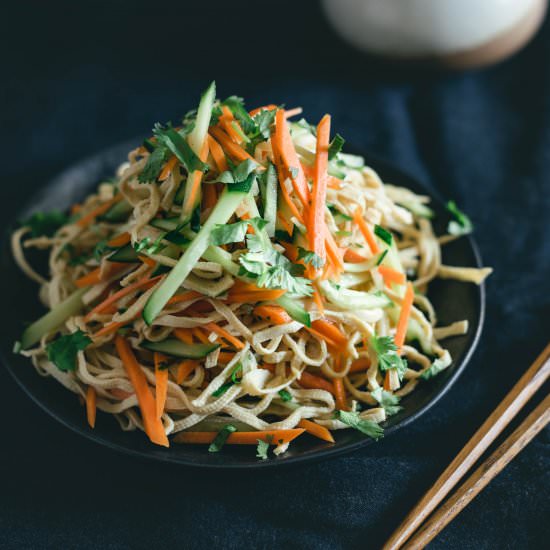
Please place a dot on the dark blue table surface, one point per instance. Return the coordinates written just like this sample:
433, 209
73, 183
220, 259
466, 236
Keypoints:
79, 77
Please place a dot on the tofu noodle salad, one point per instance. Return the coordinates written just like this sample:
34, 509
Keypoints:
241, 280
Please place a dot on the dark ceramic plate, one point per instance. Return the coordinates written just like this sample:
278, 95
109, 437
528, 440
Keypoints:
452, 301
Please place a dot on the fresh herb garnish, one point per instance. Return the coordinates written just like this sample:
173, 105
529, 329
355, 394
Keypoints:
381, 257
62, 351
263, 447
387, 400
335, 146
285, 395
385, 235
233, 232
310, 257
45, 223
221, 438
154, 164
386, 351
353, 419
461, 225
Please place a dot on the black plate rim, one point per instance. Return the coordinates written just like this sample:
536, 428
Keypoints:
323, 454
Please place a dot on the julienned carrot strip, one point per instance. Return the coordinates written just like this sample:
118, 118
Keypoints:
403, 322
285, 223
91, 407
366, 232
196, 179
147, 261
274, 314
312, 382
253, 297
200, 336
289, 158
119, 240
316, 429
318, 299
236, 152
108, 329
185, 368
387, 381
113, 298
340, 394
212, 327
151, 422
161, 384
225, 356
168, 167
353, 257
330, 342
184, 335
226, 121
316, 222
273, 437
96, 276
333, 252
93, 214
359, 365
184, 297
330, 330
269, 107
391, 275
293, 112
217, 154
334, 183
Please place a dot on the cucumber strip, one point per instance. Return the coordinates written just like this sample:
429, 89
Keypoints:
269, 197
224, 209
126, 254
196, 140
167, 224
294, 308
53, 319
177, 348
353, 299
220, 256
118, 212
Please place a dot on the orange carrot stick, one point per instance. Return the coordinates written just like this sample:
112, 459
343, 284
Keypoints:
108, 329
293, 112
273, 437
185, 368
161, 384
359, 365
212, 327
217, 154
168, 167
184, 335
364, 228
93, 214
319, 335
210, 196
236, 152
391, 275
119, 240
151, 422
312, 382
253, 297
316, 429
91, 407
113, 298
95, 275
184, 297
331, 330
200, 336
274, 314
403, 322
269, 107
316, 226
352, 257
225, 356
340, 394
196, 179
318, 299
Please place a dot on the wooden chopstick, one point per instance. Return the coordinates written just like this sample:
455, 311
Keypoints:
537, 374
512, 446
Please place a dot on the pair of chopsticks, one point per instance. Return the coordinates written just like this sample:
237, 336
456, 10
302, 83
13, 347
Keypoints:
537, 374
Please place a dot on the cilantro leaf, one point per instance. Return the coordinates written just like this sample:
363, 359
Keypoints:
285, 395
229, 233
461, 225
62, 351
221, 438
154, 164
263, 447
264, 120
385, 235
310, 257
387, 400
386, 350
335, 146
177, 144
435, 368
236, 105
353, 419
45, 223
